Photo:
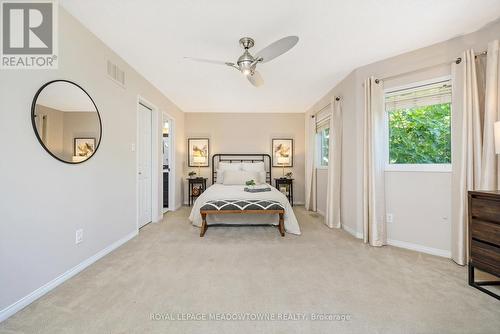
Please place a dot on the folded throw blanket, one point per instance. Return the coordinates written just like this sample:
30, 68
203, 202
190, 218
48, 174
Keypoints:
257, 190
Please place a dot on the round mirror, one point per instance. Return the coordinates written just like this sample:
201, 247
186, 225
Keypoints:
66, 121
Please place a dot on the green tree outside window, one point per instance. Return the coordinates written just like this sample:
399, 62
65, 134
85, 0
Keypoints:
325, 142
420, 135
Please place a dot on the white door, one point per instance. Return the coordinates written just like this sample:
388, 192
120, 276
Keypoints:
144, 154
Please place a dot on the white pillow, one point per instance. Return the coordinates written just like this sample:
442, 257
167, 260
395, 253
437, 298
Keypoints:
253, 166
240, 177
223, 166
220, 176
262, 177
229, 166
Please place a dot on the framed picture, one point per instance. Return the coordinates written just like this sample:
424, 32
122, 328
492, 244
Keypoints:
282, 152
198, 152
84, 147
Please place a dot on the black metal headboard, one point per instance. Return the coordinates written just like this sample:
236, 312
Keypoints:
242, 157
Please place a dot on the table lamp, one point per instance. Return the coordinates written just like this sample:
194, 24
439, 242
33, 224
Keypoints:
198, 159
283, 161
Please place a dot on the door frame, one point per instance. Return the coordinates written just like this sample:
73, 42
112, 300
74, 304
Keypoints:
171, 160
155, 161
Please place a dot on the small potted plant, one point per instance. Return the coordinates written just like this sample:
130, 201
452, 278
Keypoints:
289, 175
192, 174
250, 184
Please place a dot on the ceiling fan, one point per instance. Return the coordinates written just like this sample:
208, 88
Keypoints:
247, 63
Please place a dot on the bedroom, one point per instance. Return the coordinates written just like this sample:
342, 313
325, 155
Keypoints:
383, 247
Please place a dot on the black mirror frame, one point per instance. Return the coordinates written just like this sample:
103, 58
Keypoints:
33, 107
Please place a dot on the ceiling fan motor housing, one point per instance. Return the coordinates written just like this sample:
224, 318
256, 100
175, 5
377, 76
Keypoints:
246, 63
246, 42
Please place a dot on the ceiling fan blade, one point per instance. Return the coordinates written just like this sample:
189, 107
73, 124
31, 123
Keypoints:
217, 62
277, 48
255, 79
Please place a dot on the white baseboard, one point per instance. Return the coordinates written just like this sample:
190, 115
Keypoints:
353, 232
420, 248
25, 301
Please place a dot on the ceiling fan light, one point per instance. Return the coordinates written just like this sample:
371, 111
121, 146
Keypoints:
246, 72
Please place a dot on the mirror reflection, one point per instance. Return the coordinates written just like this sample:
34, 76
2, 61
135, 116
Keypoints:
66, 121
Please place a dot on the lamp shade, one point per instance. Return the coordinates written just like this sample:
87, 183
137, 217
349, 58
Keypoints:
497, 137
283, 160
199, 159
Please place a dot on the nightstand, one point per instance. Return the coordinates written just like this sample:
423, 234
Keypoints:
288, 185
196, 186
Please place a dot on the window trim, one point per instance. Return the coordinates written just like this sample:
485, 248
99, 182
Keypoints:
435, 168
429, 168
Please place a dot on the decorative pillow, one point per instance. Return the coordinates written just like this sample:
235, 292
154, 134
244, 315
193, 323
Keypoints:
262, 177
223, 166
240, 177
229, 166
253, 166
220, 176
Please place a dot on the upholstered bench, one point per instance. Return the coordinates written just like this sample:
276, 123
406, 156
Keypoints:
218, 207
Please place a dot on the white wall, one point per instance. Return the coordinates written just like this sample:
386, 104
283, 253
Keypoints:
43, 201
418, 219
351, 156
250, 133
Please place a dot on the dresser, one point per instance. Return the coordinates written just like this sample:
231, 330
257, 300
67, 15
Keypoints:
484, 237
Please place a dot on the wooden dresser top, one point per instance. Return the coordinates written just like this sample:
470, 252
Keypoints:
485, 193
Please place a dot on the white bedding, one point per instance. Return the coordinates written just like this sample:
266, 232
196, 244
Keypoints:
219, 192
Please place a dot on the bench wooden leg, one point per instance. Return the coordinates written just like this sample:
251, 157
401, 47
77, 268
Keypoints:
204, 225
281, 225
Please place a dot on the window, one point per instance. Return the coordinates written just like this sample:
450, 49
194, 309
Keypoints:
419, 127
323, 144
322, 137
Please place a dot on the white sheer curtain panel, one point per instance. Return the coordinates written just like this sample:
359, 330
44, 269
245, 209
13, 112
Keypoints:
374, 227
310, 184
490, 168
332, 215
467, 151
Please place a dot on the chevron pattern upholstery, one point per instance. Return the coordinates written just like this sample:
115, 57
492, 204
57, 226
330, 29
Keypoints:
238, 204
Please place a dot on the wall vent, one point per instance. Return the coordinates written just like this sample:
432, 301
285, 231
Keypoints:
116, 74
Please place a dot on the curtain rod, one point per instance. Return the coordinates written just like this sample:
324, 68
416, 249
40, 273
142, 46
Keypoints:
337, 98
457, 61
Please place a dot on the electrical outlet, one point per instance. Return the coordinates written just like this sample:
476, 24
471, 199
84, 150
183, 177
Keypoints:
389, 218
78, 236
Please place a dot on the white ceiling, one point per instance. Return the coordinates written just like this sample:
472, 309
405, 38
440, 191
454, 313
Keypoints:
336, 36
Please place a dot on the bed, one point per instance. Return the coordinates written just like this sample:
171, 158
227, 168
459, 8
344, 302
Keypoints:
223, 190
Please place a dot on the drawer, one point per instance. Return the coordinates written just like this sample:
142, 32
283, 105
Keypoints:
485, 231
485, 209
485, 256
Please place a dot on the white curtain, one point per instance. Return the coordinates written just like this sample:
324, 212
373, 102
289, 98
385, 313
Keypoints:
332, 215
310, 186
466, 154
374, 229
489, 172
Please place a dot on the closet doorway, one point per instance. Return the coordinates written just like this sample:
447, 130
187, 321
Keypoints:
168, 155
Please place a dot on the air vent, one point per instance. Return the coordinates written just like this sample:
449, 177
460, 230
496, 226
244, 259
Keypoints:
116, 74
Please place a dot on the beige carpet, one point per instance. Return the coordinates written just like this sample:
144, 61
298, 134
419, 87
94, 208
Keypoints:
169, 271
